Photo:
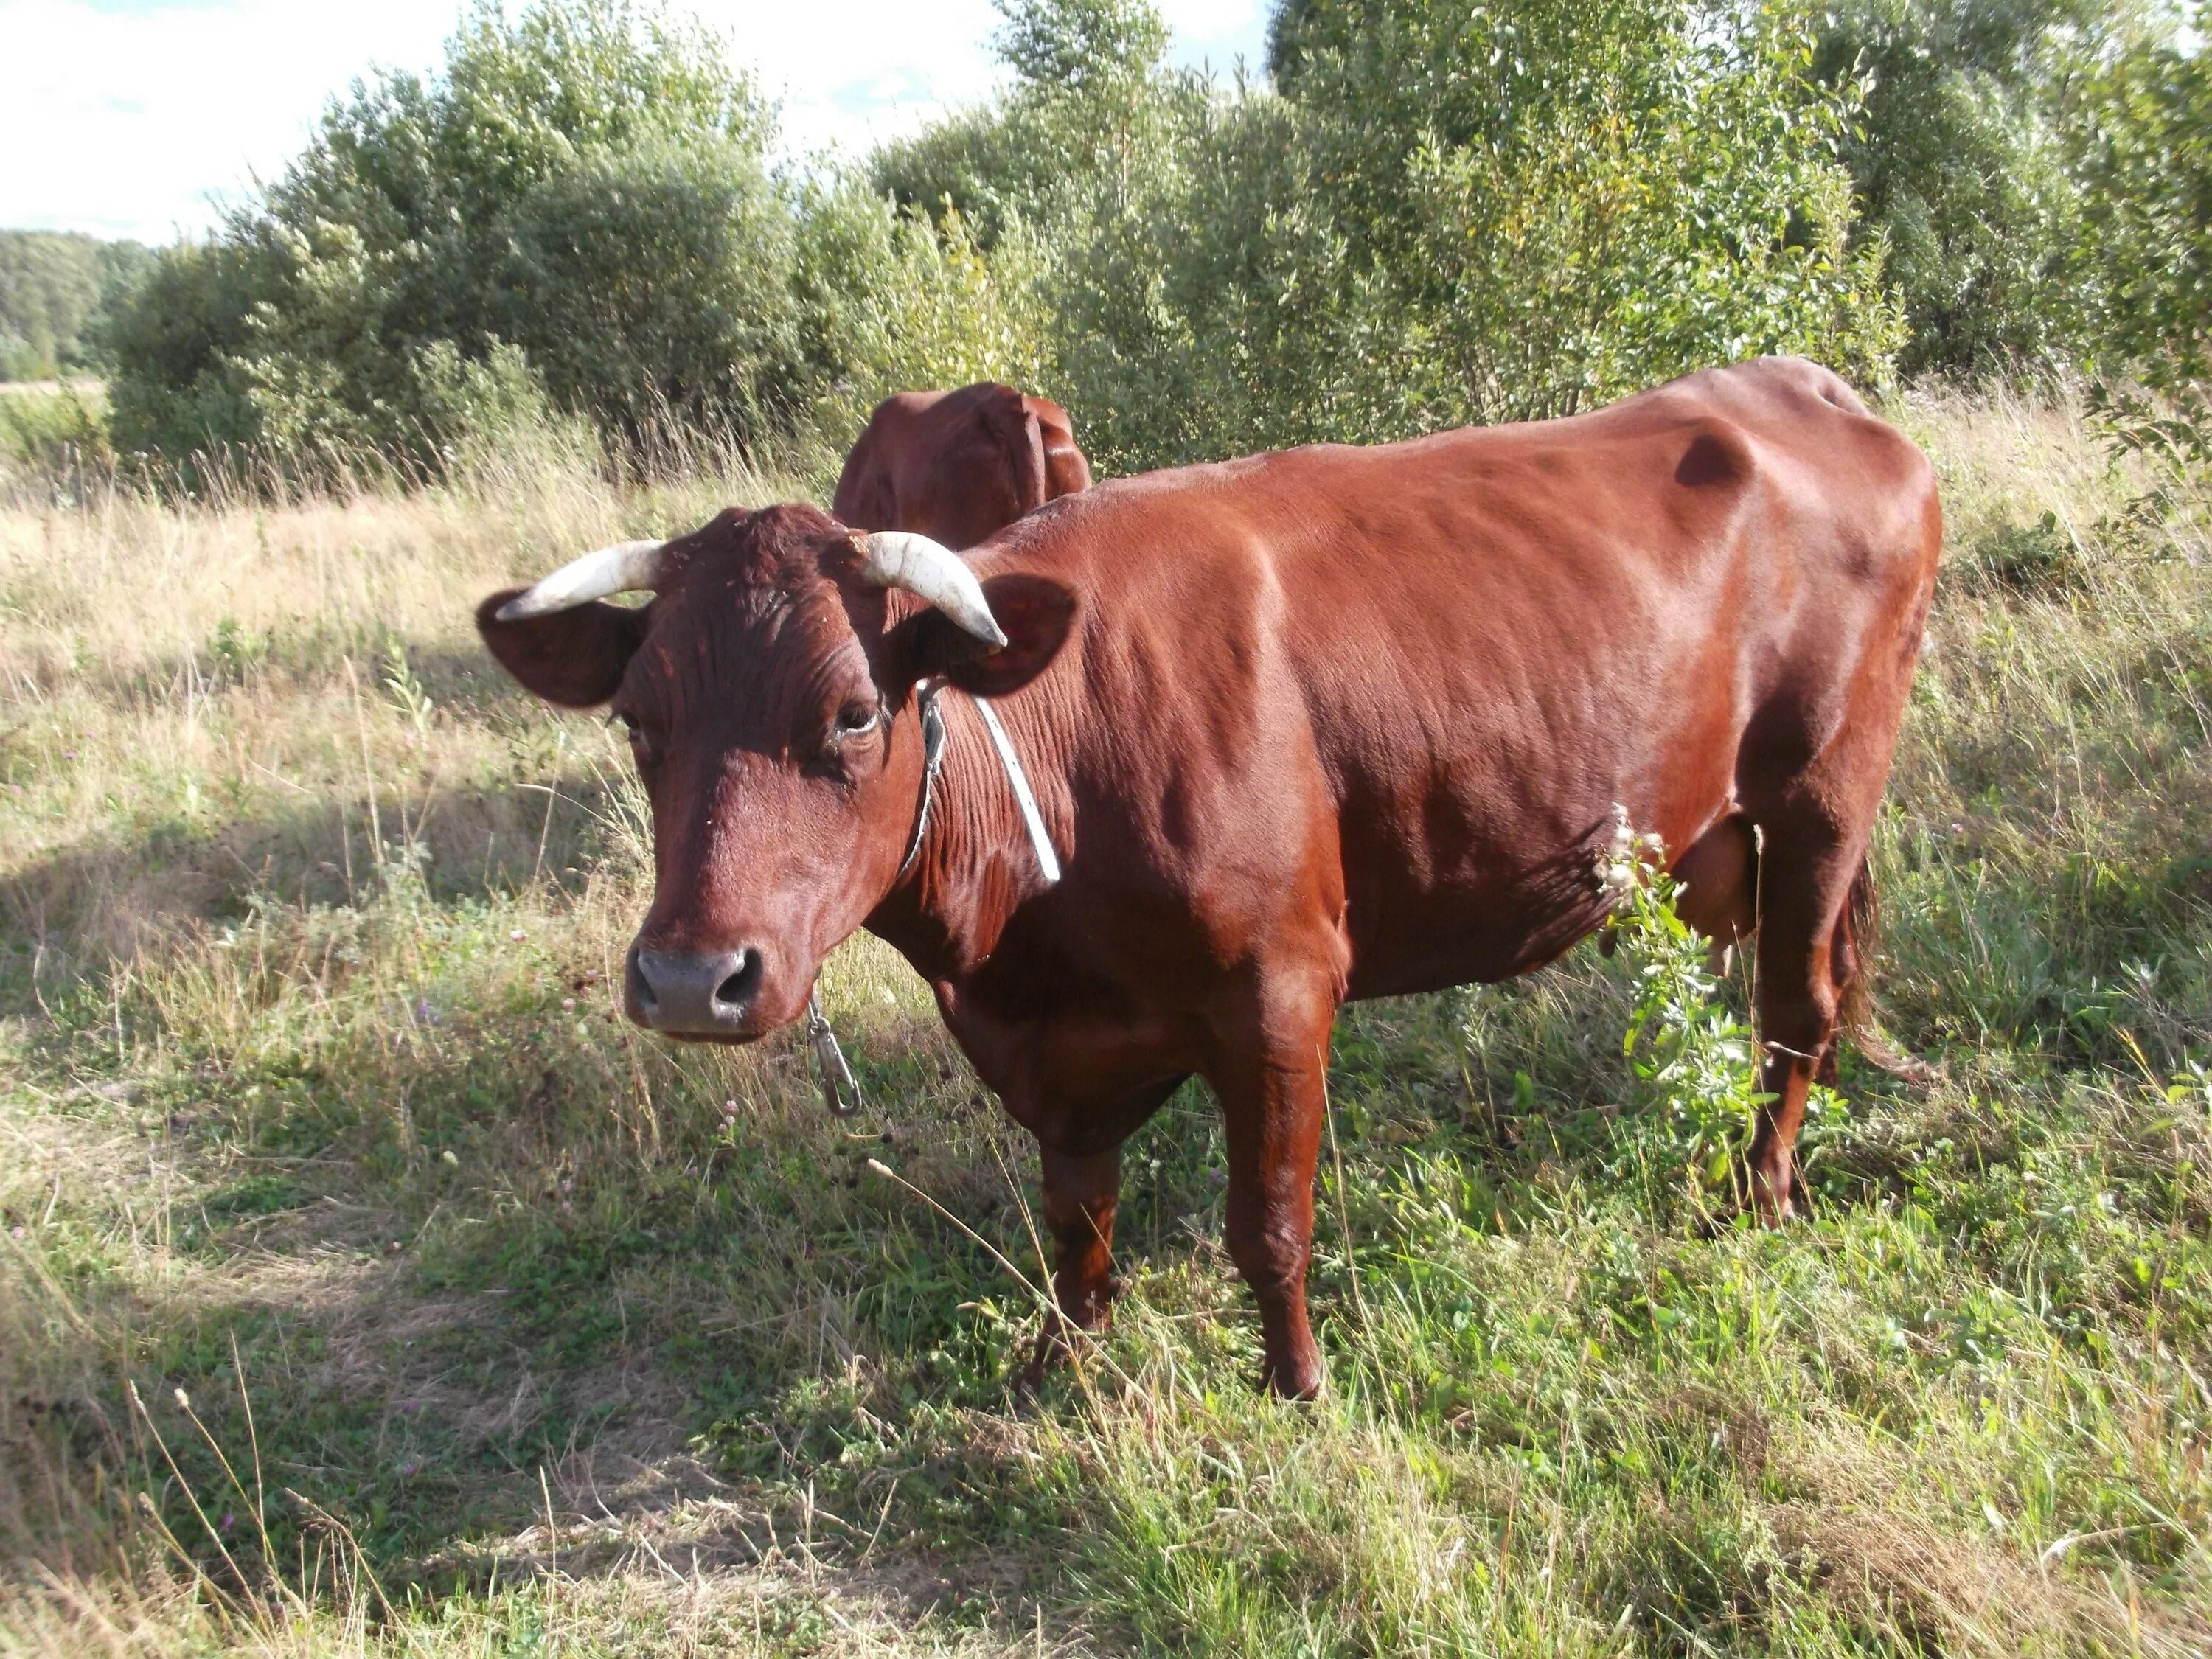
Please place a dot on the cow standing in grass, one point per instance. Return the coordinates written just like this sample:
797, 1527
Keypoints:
959, 466
1327, 724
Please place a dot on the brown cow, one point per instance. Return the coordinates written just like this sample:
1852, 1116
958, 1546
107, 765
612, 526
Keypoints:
1332, 723
959, 467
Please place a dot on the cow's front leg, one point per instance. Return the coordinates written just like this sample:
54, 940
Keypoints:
1080, 1193
1079, 1147
1273, 1098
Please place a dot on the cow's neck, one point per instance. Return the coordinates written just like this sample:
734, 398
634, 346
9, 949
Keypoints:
976, 864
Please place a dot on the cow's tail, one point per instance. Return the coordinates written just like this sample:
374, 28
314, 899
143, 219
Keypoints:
1857, 943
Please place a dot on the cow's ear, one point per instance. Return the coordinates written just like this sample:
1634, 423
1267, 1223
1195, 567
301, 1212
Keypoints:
573, 658
1033, 612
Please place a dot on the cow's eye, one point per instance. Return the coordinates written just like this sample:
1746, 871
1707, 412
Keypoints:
640, 746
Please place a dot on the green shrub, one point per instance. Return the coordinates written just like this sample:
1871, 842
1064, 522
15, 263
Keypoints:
1958, 162
176, 389
1455, 216
585, 182
52, 430
1694, 1057
2146, 156
888, 300
653, 284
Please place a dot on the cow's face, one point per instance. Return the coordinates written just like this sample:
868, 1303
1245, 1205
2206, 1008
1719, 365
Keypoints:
768, 693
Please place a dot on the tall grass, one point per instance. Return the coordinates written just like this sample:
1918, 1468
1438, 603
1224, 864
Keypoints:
500, 1330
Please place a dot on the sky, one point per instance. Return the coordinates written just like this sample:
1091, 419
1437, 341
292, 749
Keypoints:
138, 118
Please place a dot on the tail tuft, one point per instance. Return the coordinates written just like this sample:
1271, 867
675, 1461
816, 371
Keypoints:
1861, 941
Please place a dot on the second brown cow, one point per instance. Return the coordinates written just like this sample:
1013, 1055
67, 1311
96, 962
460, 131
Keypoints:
959, 467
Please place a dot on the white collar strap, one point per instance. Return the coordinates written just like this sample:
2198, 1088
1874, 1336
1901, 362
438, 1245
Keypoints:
1048, 860
926, 693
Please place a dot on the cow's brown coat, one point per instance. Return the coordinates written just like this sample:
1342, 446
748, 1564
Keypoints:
1327, 724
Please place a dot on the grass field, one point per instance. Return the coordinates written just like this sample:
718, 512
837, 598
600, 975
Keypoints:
366, 1286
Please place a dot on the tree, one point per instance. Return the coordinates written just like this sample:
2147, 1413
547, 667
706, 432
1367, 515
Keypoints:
1455, 213
433, 220
2145, 155
653, 282
1958, 159
1091, 106
57, 290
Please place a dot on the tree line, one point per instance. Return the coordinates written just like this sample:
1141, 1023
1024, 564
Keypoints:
1424, 212
58, 289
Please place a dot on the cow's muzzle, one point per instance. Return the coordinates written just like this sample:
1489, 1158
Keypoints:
706, 994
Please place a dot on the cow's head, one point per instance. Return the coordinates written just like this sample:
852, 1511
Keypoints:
767, 689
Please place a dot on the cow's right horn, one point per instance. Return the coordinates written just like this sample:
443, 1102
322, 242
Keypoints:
625, 567
899, 558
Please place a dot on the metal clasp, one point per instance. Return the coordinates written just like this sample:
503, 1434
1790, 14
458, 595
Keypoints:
841, 1094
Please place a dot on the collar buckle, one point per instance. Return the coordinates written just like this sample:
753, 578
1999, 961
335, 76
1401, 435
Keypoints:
841, 1090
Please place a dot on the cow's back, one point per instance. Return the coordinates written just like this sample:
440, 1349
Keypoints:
1464, 650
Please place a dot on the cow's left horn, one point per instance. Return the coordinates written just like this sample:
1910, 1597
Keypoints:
899, 558
625, 567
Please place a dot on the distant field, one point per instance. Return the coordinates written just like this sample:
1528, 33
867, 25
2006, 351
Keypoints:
462, 1320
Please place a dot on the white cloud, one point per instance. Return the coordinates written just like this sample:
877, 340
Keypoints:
131, 117
123, 120
849, 72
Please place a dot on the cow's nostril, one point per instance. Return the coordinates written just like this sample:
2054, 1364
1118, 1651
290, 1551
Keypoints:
737, 990
703, 994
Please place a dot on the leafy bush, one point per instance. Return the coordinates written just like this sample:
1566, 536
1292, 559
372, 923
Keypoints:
2147, 158
52, 430
1692, 1056
887, 299
653, 283
177, 387
1456, 215
1958, 162
586, 183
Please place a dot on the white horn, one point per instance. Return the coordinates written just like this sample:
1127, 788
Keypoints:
899, 558
625, 567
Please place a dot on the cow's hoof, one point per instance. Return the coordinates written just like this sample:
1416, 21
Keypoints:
1767, 1194
1305, 1381
1052, 1351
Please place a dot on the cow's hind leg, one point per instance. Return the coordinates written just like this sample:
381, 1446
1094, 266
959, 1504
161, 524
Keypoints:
1806, 961
1272, 1079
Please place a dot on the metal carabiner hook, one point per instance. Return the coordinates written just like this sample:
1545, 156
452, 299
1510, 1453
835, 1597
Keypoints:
840, 1093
